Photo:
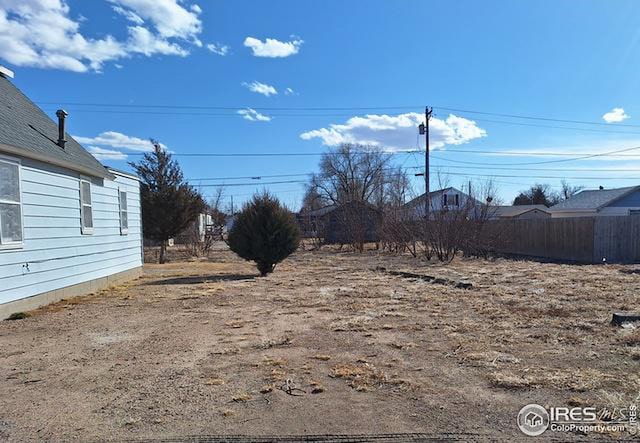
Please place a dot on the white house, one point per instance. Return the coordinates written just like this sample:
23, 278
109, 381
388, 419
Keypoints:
68, 225
602, 202
448, 198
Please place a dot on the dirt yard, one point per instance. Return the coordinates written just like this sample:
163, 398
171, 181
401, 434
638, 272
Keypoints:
331, 343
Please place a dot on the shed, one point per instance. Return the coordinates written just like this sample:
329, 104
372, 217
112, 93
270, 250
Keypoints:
346, 223
68, 225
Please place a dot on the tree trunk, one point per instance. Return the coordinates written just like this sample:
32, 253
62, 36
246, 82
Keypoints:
163, 251
265, 268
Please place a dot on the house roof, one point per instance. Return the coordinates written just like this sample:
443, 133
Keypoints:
514, 211
27, 131
595, 199
322, 211
330, 208
433, 194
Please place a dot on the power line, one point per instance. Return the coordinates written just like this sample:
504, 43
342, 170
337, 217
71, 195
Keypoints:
584, 157
323, 108
572, 128
227, 108
531, 117
580, 155
224, 185
254, 154
308, 174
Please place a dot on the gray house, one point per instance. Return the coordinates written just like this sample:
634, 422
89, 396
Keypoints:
602, 202
68, 225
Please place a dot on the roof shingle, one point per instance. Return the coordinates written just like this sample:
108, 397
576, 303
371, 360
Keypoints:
25, 127
593, 199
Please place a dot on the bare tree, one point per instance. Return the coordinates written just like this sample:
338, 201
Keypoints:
350, 173
461, 225
567, 191
398, 233
352, 177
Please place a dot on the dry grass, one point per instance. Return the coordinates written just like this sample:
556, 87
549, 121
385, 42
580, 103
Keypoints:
361, 345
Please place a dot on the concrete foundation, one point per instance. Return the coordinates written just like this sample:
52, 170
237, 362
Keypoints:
31, 303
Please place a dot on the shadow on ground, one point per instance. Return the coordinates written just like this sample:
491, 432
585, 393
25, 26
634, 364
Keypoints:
199, 279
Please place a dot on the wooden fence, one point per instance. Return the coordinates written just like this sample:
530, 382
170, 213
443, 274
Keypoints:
580, 239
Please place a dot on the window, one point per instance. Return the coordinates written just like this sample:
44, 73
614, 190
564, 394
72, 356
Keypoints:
444, 199
86, 209
457, 199
10, 204
124, 213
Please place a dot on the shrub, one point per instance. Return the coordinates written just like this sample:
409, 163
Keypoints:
264, 232
19, 316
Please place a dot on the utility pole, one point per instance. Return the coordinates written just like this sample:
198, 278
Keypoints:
424, 130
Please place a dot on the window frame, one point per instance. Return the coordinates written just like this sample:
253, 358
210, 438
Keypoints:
14, 244
84, 229
123, 230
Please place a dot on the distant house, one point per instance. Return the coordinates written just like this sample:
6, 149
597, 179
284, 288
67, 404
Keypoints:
603, 202
68, 225
442, 199
520, 212
342, 224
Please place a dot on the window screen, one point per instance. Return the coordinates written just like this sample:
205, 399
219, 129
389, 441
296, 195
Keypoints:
10, 203
86, 208
124, 213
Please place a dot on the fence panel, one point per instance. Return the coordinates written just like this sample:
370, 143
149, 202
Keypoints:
617, 239
570, 239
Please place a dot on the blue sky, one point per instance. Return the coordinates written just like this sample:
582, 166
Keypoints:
567, 60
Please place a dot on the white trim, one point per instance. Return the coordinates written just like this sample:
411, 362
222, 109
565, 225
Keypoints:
123, 174
86, 230
14, 244
123, 230
14, 150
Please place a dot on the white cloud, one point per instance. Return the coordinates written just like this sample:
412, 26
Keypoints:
169, 17
129, 15
117, 140
289, 91
615, 115
273, 48
107, 154
397, 132
261, 88
43, 34
218, 48
253, 115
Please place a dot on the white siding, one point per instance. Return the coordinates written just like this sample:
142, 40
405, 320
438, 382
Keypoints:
55, 253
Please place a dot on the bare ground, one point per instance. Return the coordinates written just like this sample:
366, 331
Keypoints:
331, 343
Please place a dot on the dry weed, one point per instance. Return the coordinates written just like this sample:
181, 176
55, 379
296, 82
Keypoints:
243, 397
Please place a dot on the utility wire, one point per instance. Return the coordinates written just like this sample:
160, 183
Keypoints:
530, 117
335, 108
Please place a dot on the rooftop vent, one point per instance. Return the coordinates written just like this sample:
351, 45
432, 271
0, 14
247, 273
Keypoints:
62, 115
6, 72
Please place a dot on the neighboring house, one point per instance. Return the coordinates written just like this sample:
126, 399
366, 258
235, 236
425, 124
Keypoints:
602, 202
197, 230
520, 212
343, 224
442, 199
68, 225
